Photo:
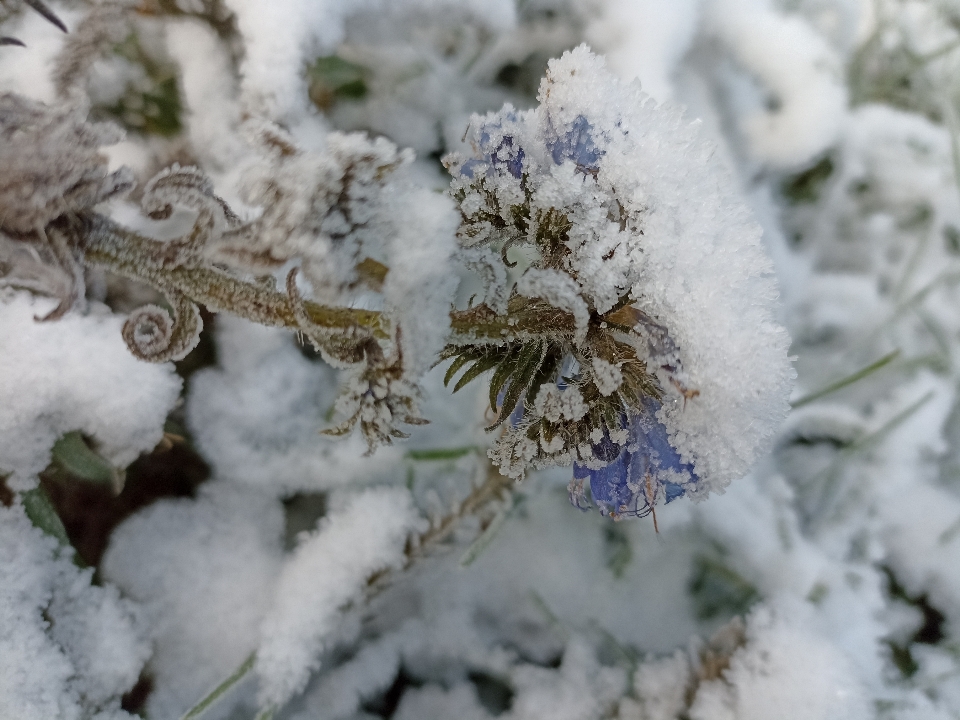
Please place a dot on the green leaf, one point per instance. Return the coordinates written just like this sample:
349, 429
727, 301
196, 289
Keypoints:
476, 370
807, 186
37, 505
718, 590
458, 363
500, 376
544, 375
441, 453
531, 358
616, 548
73, 454
332, 78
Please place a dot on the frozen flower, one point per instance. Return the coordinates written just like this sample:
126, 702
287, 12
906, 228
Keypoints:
496, 146
576, 144
647, 296
630, 477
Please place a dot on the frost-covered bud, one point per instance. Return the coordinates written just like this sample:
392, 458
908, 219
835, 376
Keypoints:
378, 397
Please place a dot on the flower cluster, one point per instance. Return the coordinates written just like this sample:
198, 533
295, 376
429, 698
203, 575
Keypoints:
591, 363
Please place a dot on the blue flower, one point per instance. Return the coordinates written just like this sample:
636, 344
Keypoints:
577, 144
505, 154
630, 481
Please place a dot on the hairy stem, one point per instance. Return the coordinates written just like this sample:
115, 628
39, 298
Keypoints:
109, 245
127, 253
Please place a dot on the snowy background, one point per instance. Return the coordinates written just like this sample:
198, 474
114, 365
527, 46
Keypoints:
167, 528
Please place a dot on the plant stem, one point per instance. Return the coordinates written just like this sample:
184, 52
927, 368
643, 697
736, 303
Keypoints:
221, 689
134, 256
125, 252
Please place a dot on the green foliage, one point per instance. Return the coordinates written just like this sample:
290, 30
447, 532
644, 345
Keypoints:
441, 453
331, 78
519, 369
73, 454
806, 186
37, 505
617, 551
719, 591
951, 238
153, 107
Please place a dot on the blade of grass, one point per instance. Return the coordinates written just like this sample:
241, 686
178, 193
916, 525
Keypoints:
849, 380
441, 453
220, 690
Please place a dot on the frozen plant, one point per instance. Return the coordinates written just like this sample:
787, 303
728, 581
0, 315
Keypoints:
316, 317
644, 302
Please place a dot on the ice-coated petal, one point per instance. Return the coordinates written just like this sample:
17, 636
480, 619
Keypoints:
638, 472
497, 146
577, 144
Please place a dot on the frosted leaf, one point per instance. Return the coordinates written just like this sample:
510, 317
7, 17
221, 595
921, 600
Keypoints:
487, 265
52, 167
52, 163
560, 290
326, 208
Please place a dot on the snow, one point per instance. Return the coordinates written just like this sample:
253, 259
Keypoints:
327, 571
203, 571
52, 381
785, 672
68, 648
